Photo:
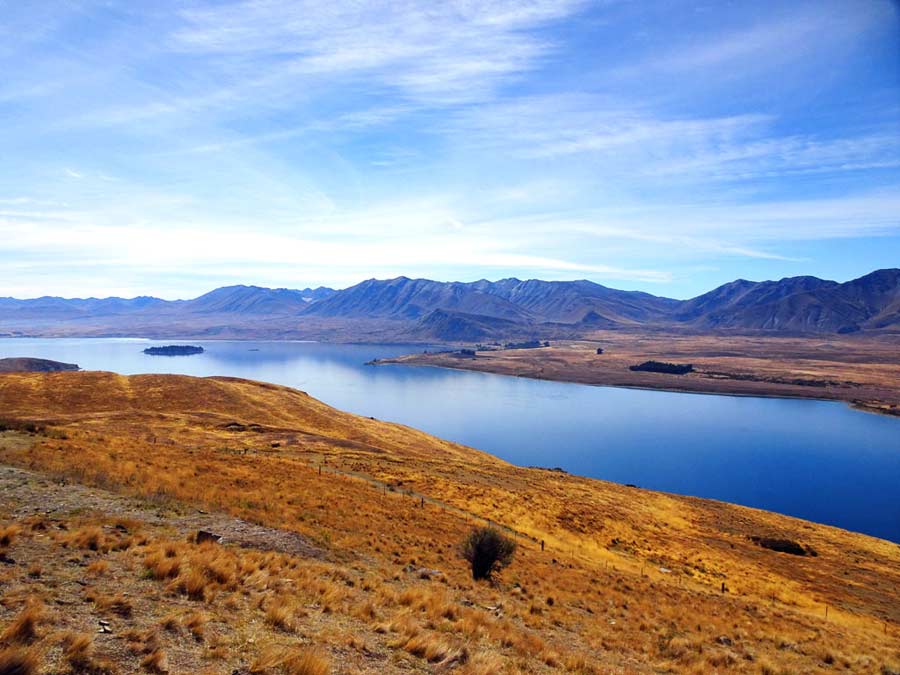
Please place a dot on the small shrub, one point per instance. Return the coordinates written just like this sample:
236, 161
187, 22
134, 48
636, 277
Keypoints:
487, 550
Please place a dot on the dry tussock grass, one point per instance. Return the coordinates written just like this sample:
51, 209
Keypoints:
23, 629
18, 661
78, 652
117, 603
605, 544
292, 661
156, 662
195, 622
282, 613
8, 535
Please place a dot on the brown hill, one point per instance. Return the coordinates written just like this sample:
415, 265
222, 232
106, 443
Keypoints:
626, 580
32, 365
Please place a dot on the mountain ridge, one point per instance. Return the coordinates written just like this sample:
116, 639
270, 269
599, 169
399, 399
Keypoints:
423, 309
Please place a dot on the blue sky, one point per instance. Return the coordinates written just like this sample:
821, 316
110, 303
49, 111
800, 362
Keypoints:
167, 148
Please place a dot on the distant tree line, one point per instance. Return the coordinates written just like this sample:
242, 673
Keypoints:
663, 367
530, 344
173, 350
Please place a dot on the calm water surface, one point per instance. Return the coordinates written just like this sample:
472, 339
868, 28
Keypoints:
816, 460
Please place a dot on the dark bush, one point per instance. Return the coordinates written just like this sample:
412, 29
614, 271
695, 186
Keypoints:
487, 551
784, 546
663, 367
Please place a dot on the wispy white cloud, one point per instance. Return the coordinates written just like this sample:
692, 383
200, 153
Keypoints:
437, 52
737, 147
360, 138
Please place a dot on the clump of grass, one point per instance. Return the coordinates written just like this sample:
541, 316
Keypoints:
117, 604
196, 622
155, 662
142, 641
170, 623
23, 629
161, 566
281, 614
97, 568
78, 651
487, 663
292, 661
192, 583
307, 661
434, 649
89, 537
8, 535
18, 661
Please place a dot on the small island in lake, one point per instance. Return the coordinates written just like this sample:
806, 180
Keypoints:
173, 350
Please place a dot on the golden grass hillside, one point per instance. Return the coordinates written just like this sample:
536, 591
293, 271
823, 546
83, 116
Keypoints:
629, 580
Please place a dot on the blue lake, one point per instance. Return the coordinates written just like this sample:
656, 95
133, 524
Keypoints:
817, 460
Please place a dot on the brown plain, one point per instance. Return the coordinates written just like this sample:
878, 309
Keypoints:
862, 370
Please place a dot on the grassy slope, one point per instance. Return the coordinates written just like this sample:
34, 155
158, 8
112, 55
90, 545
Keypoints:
174, 438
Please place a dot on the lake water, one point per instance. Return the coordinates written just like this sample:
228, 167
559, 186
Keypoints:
817, 460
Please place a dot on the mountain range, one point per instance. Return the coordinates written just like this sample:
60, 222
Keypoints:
423, 310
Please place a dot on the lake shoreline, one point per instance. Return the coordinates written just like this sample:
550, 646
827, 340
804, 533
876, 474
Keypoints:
856, 405
698, 383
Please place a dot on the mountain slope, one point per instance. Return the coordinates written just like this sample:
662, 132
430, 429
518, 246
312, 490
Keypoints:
572, 301
404, 298
247, 300
448, 326
799, 304
511, 299
740, 294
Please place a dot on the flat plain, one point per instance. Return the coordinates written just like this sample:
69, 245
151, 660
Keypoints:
862, 370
